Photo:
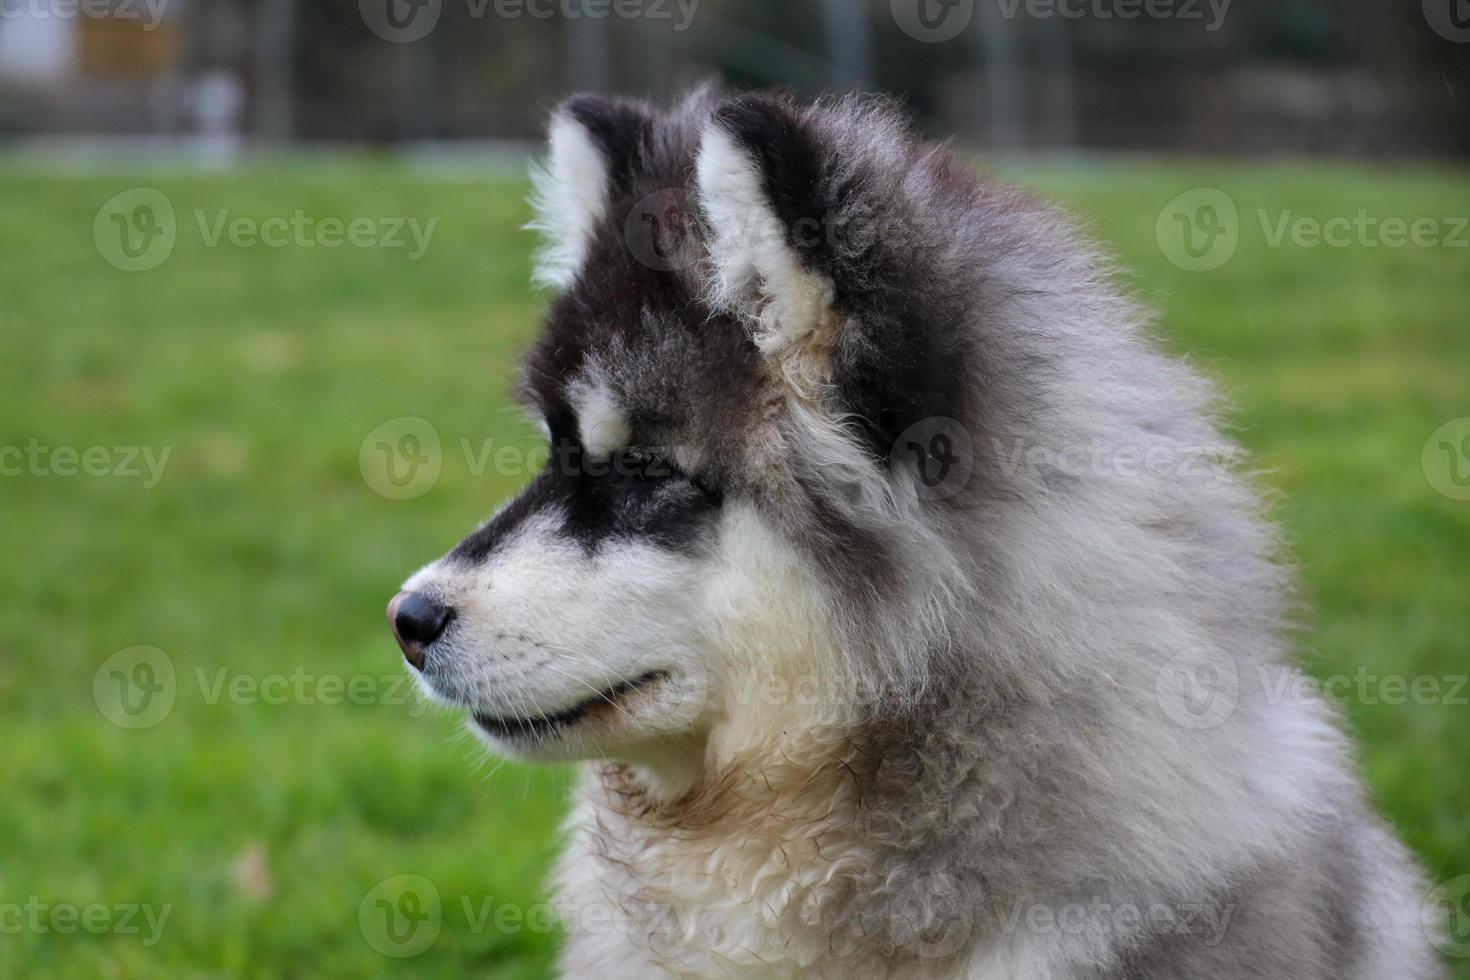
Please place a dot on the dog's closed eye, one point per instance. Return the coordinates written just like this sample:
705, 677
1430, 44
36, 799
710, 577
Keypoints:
649, 469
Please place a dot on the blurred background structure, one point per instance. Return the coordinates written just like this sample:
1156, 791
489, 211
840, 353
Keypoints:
1360, 78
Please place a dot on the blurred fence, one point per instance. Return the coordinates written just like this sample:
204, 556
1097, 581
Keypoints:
1370, 78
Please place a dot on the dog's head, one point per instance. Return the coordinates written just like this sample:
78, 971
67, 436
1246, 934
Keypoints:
738, 379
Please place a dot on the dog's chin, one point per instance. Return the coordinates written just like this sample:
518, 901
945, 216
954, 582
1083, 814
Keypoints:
641, 709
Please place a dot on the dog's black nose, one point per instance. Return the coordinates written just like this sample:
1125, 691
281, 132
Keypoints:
417, 621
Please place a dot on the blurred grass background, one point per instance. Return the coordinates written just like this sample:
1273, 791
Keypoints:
263, 551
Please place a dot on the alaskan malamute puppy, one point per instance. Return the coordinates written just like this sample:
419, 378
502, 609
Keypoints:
898, 593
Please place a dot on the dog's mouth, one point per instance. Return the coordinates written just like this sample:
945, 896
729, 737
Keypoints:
540, 726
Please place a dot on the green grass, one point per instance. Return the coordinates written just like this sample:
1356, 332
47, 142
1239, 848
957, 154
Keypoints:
263, 551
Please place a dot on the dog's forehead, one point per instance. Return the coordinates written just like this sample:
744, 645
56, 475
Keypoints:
631, 348
660, 368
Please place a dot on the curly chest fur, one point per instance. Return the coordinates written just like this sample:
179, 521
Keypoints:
751, 879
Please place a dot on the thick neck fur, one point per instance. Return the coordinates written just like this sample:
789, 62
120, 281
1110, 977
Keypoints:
747, 872
911, 843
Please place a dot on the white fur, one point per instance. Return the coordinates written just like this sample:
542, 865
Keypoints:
569, 197
756, 273
540, 628
601, 423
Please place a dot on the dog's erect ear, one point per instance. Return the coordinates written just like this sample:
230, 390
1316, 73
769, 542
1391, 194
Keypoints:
822, 237
594, 147
758, 180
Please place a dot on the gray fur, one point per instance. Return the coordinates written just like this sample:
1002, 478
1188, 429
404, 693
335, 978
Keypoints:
1019, 784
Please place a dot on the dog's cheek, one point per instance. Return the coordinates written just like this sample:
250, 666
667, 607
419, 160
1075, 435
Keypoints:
774, 660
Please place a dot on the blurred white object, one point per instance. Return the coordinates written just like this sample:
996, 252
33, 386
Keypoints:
36, 44
217, 105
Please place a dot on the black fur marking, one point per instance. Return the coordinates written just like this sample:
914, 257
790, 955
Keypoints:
540, 496
632, 497
628, 497
858, 561
545, 724
791, 165
620, 130
904, 360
